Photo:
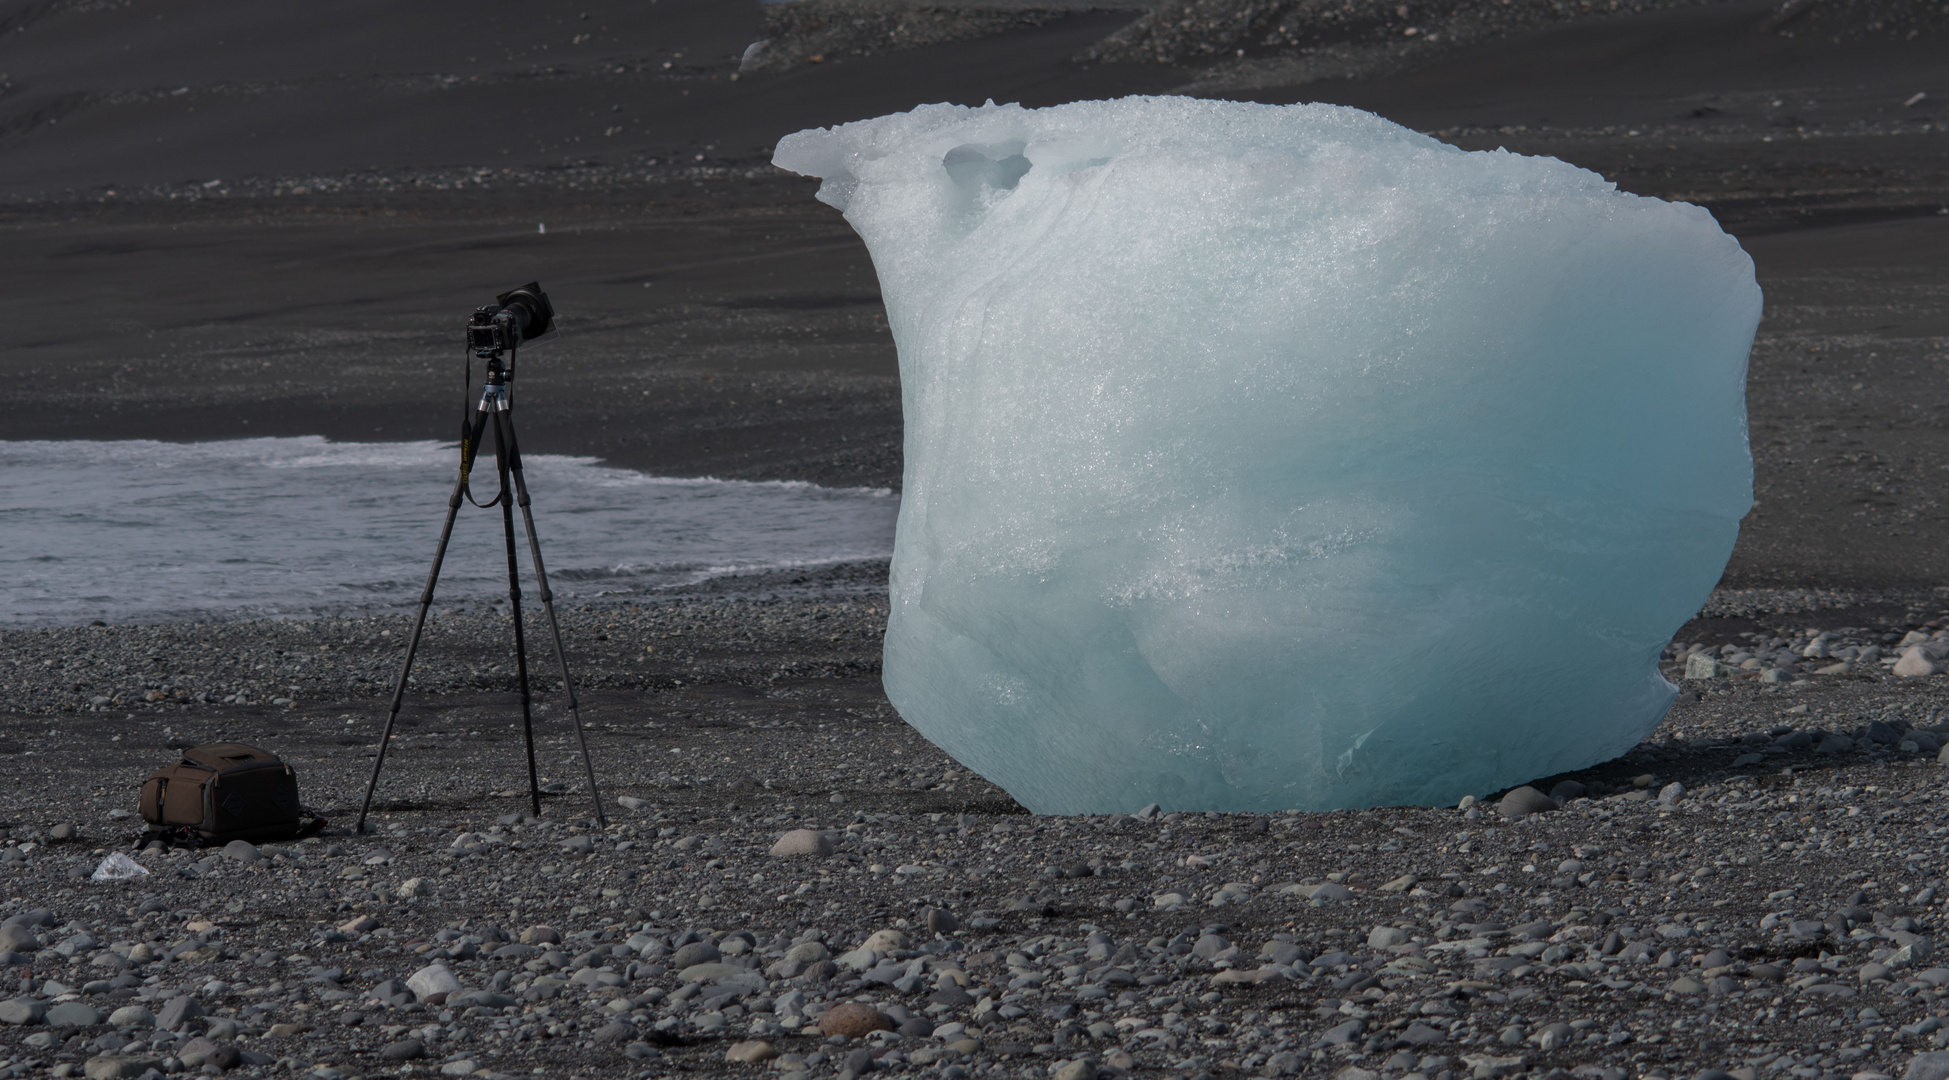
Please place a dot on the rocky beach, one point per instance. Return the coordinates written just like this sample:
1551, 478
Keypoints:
283, 237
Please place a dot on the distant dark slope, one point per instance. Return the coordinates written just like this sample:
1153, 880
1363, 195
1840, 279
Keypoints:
1256, 43
816, 31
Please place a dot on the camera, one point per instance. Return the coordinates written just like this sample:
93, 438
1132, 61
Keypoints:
516, 317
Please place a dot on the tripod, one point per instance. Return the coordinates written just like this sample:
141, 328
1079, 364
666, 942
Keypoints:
495, 407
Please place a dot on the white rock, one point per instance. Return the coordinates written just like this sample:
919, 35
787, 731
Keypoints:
132, 1016
412, 887
432, 979
1915, 663
885, 941
803, 842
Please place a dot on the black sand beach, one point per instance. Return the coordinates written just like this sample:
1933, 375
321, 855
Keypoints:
228, 220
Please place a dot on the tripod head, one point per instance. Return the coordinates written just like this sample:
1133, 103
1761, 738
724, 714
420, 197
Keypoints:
516, 317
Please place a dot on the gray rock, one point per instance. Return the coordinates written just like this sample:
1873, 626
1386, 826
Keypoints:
579, 845
486, 998
1835, 744
1342, 1033
72, 1014
403, 1050
63, 831
22, 1011
132, 1016
197, 1051
243, 851
697, 952
1671, 793
631, 802
1208, 946
1567, 790
1079, 1069
618, 1031
180, 1010
1386, 937
1420, 1034
941, 922
19, 938
1525, 801
117, 1067
1930, 1066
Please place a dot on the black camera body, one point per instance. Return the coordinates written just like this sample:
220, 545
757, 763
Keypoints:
517, 317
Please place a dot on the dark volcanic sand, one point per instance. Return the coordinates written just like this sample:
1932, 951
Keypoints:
289, 246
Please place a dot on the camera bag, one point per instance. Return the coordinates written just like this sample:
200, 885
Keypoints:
224, 792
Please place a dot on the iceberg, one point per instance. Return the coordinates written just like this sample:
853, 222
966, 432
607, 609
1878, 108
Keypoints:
1270, 457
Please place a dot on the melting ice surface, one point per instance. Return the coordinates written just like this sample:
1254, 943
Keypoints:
1262, 457
149, 531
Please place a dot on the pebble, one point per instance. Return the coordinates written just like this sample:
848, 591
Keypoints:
413, 887
1386, 937
179, 1011
1079, 1069
403, 1050
616, 1031
243, 851
1915, 664
885, 941
1928, 1066
116, 1067
1524, 801
72, 1014
19, 938
854, 1020
431, 980
750, 1051
697, 952
132, 1016
803, 842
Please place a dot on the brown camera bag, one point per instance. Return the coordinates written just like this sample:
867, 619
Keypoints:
224, 792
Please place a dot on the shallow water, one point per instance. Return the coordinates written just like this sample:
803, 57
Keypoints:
139, 531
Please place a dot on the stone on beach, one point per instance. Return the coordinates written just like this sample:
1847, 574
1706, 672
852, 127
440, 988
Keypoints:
803, 842
431, 980
1915, 663
854, 1020
1524, 801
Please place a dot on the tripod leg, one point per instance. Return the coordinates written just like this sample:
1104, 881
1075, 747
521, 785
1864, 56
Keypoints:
502, 453
467, 450
506, 420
